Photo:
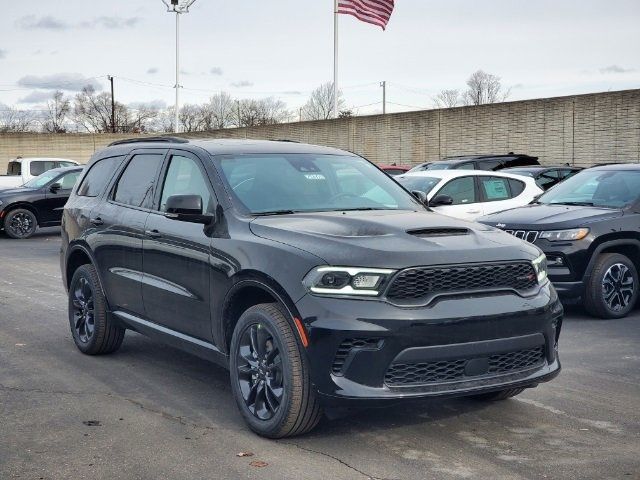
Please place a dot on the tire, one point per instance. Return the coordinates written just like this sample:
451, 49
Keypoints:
93, 329
499, 395
256, 385
20, 223
612, 290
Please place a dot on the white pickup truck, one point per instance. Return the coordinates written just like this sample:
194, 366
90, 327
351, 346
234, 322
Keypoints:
21, 170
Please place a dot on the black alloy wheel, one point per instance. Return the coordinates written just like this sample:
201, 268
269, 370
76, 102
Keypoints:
20, 223
83, 310
612, 289
259, 367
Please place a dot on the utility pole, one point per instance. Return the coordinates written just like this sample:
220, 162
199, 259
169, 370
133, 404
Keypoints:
300, 114
239, 119
383, 84
178, 7
113, 107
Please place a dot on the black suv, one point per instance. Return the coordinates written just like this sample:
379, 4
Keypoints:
37, 203
589, 228
308, 272
545, 177
479, 162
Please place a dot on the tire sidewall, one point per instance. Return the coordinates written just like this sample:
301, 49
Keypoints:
99, 311
596, 286
10, 216
272, 426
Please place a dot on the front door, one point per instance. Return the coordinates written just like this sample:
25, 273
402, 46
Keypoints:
51, 210
466, 202
176, 288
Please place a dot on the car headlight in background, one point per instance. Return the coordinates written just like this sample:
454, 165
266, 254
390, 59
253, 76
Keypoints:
540, 267
559, 235
347, 280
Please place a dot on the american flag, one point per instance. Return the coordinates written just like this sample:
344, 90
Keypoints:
370, 11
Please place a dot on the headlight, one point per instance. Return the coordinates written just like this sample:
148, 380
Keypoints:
347, 280
558, 235
540, 266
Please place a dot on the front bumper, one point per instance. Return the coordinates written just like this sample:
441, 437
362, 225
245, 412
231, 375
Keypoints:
457, 346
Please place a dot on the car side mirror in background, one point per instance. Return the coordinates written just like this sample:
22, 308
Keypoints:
440, 200
55, 187
421, 196
187, 208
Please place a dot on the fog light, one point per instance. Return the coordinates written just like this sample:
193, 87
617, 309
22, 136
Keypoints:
555, 261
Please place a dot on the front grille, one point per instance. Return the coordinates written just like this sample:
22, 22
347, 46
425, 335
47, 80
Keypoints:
420, 282
407, 374
529, 235
350, 344
438, 232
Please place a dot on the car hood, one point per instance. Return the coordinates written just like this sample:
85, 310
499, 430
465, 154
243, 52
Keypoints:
15, 191
390, 239
541, 217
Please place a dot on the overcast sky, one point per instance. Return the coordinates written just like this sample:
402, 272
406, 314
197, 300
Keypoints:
283, 48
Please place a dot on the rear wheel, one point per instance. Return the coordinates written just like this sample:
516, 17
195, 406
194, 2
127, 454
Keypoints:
499, 395
612, 290
20, 223
270, 374
94, 330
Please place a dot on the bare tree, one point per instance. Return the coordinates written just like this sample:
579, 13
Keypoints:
267, 111
93, 111
320, 104
484, 88
447, 99
14, 120
218, 112
191, 118
58, 109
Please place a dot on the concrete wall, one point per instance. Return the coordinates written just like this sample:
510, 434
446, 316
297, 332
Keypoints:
579, 130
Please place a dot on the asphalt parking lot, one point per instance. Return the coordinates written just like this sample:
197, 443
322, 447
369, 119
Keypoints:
150, 411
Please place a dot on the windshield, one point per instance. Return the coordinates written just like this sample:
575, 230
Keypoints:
600, 188
438, 166
41, 180
516, 171
288, 183
420, 183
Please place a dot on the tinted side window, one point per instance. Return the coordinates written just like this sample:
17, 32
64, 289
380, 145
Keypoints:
135, 186
490, 164
495, 188
38, 167
516, 187
98, 176
68, 181
461, 190
184, 177
466, 166
15, 168
547, 179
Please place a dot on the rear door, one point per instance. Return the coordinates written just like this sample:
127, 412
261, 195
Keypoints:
176, 289
495, 193
466, 201
119, 223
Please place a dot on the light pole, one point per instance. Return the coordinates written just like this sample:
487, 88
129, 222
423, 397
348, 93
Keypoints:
178, 7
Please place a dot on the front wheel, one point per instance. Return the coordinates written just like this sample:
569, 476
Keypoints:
270, 374
612, 290
20, 223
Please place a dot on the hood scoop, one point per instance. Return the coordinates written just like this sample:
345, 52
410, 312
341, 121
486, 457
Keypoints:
438, 232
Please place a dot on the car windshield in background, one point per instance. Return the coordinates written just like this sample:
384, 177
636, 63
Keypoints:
420, 183
515, 171
41, 180
599, 188
289, 183
438, 166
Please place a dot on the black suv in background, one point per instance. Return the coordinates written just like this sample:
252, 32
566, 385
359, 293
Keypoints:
589, 228
37, 203
309, 273
479, 162
547, 176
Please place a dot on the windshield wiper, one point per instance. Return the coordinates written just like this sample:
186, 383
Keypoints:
275, 212
579, 204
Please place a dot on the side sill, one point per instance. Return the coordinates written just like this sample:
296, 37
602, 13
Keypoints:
198, 347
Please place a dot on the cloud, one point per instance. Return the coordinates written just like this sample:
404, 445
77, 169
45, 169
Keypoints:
152, 71
46, 22
37, 96
215, 71
242, 83
152, 104
292, 92
3, 53
59, 81
615, 69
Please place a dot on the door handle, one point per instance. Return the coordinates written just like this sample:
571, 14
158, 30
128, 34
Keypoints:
96, 221
153, 233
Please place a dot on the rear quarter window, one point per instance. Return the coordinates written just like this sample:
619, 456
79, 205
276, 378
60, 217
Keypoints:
98, 176
14, 168
517, 187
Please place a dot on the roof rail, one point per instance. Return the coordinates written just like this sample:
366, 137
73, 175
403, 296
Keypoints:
149, 140
284, 140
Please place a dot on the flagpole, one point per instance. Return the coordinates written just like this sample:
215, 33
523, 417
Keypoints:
335, 58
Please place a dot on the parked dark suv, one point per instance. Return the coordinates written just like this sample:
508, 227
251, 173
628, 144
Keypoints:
312, 275
479, 162
589, 228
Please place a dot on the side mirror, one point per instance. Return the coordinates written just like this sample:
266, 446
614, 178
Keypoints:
187, 208
55, 187
535, 199
421, 196
441, 200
